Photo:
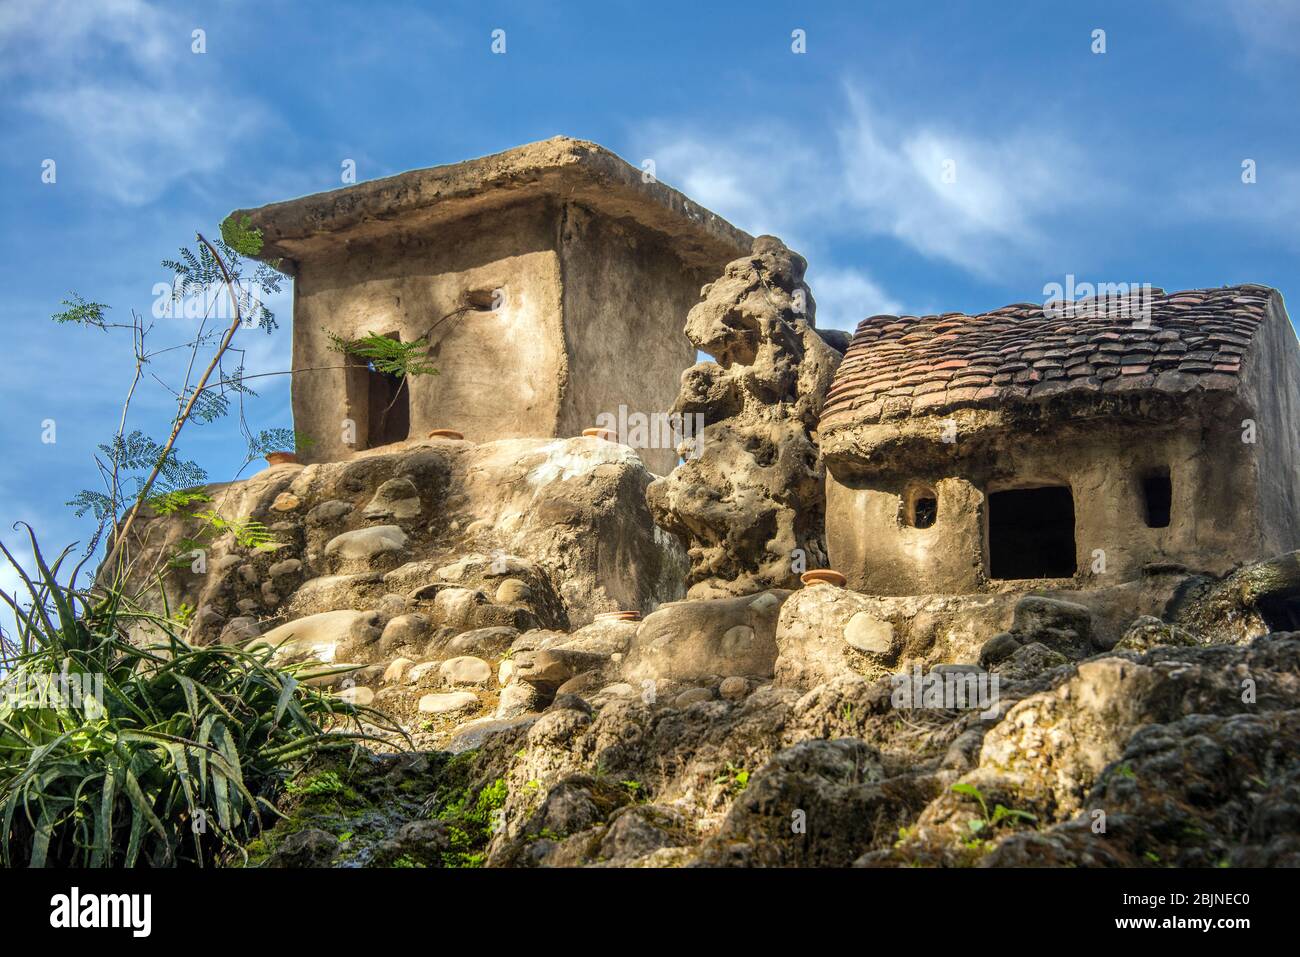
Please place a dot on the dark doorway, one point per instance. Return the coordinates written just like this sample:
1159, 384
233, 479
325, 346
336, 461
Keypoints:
1031, 533
389, 405
1157, 496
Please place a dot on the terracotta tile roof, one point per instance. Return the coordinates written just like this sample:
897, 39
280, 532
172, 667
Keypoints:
908, 365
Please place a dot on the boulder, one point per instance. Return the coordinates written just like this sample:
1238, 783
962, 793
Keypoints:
1253, 600
379, 545
1063, 626
448, 702
396, 499
465, 670
815, 804
456, 607
519, 698
512, 591
333, 592
548, 669
310, 847
357, 695
825, 632
474, 734
998, 648
734, 688
409, 630
710, 638
328, 513
484, 642
1148, 632
318, 637
1028, 661
396, 670
692, 696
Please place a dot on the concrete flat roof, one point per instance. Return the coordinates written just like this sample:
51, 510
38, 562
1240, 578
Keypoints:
562, 167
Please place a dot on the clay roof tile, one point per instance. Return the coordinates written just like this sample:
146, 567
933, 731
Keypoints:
1175, 342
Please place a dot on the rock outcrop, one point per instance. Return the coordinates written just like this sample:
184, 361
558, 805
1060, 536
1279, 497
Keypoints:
1181, 755
428, 569
522, 532
749, 499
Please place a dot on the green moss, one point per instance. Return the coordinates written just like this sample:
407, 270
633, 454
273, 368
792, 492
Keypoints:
364, 805
471, 819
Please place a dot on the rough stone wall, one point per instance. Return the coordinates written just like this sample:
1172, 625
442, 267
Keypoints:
624, 292
500, 370
1213, 523
1271, 375
754, 493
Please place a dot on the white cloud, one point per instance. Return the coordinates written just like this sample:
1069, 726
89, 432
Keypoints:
137, 141
751, 179
1267, 27
1270, 205
847, 296
976, 201
770, 181
37, 34
107, 79
875, 175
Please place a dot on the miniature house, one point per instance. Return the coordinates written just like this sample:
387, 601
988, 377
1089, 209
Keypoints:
550, 281
1077, 443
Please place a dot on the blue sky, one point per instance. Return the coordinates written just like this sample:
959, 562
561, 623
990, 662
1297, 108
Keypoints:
1122, 166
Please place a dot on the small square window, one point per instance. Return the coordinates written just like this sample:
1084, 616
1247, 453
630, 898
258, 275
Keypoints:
920, 507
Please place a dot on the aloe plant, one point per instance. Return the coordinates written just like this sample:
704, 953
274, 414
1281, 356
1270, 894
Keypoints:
181, 759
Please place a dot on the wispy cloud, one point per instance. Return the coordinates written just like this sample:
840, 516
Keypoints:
116, 102
757, 179
1268, 205
36, 34
136, 141
982, 201
846, 296
974, 200
1267, 27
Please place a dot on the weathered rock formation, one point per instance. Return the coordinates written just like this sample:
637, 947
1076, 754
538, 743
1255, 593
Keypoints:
749, 499
1182, 756
420, 540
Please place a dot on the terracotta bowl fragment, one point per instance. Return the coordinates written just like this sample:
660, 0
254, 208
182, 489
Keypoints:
446, 434
605, 434
619, 616
823, 576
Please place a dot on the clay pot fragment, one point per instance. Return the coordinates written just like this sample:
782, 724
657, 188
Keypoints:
606, 434
446, 434
619, 616
823, 576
